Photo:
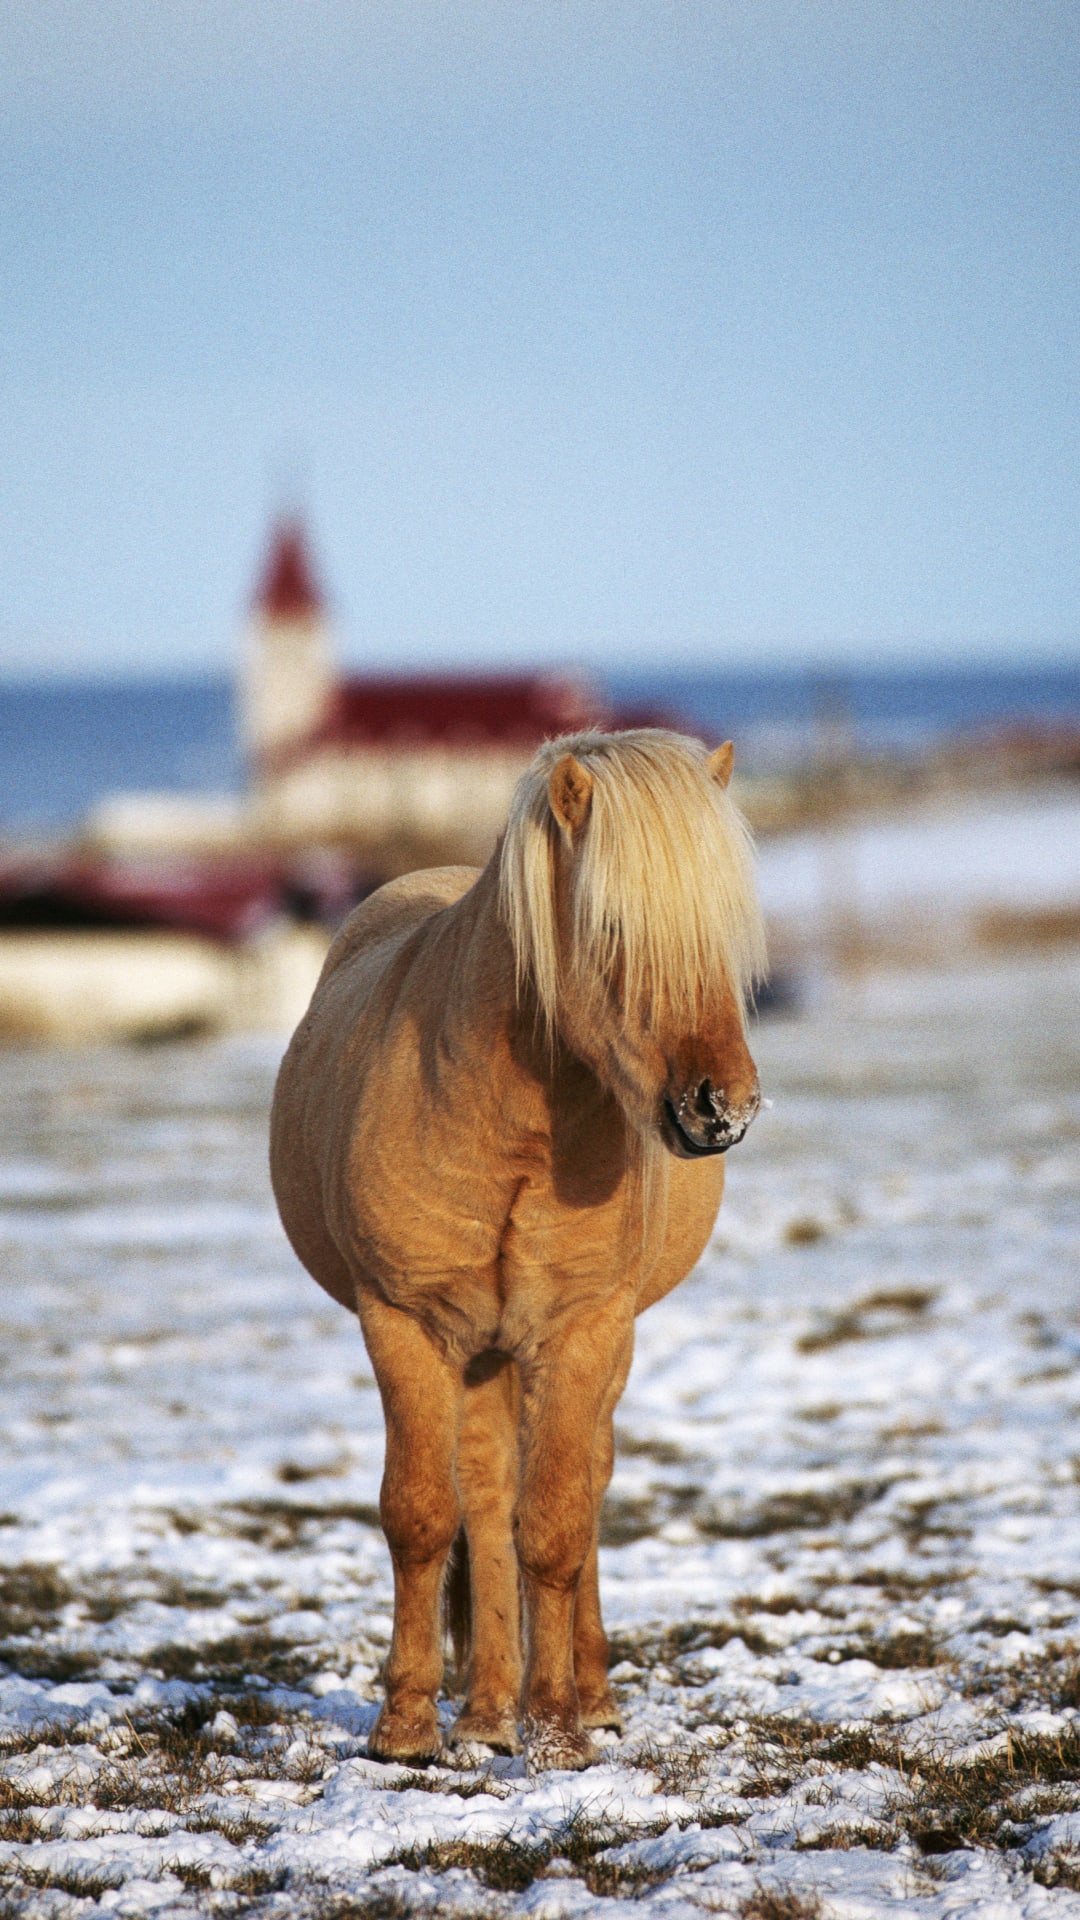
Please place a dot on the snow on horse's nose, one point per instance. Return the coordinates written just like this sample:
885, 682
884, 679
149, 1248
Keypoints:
709, 1119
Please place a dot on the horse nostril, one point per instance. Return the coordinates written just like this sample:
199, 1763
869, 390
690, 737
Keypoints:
704, 1102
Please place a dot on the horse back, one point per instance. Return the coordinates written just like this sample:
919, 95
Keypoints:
393, 911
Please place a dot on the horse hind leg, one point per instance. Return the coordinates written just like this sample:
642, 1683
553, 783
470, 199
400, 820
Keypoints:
487, 1479
421, 1396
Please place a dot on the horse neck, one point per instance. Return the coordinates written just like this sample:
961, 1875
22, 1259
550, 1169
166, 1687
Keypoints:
484, 1007
485, 1020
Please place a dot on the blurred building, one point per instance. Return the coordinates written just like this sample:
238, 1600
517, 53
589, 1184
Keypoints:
349, 779
175, 913
394, 769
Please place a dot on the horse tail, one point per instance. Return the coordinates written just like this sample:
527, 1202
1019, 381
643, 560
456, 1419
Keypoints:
457, 1605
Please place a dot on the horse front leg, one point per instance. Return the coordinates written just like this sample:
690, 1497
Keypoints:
487, 1475
566, 1384
421, 1395
591, 1650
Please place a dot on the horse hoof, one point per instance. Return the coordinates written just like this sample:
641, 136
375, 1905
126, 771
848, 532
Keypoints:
601, 1715
554, 1749
412, 1739
477, 1728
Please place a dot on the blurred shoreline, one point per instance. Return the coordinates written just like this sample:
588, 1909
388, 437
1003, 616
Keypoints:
906, 819
65, 745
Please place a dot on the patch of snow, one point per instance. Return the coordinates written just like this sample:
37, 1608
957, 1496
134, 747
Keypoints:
845, 1509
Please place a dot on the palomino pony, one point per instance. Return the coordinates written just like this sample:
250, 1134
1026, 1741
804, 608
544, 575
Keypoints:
496, 1136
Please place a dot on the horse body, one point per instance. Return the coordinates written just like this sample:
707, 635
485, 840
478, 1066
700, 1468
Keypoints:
471, 1154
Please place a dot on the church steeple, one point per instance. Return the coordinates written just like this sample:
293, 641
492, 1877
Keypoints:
287, 679
287, 589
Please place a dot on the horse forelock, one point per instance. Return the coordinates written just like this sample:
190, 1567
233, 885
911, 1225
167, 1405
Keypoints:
661, 887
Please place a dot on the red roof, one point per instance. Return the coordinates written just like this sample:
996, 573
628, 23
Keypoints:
509, 709
287, 589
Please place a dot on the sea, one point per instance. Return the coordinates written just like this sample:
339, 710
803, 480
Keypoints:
65, 745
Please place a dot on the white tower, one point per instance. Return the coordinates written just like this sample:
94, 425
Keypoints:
287, 678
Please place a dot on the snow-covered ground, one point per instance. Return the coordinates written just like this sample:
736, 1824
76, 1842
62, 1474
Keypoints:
843, 1559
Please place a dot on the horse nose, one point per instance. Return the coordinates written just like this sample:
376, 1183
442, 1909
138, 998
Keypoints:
712, 1103
712, 1118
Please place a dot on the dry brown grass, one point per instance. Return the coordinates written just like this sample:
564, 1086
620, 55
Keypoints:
664, 1452
1051, 1680
624, 1520
231, 1661
381, 1903
681, 1769
647, 1650
41, 1645
942, 1800
282, 1525
810, 1508
1005, 930
31, 1598
82, 1884
885, 1311
249, 1882
896, 1649
804, 1232
1058, 1870
781, 1903
459, 1786
21, 1824
509, 1864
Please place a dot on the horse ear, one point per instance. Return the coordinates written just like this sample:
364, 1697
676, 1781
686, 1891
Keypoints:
569, 791
721, 763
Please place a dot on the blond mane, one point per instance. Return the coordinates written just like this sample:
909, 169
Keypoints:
661, 881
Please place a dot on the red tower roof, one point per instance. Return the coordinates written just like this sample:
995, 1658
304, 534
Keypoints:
287, 589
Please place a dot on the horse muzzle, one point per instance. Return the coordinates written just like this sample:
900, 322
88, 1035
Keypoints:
704, 1121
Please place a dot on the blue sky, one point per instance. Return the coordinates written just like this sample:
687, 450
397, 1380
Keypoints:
699, 333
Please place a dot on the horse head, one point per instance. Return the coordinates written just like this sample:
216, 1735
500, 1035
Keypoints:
643, 938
